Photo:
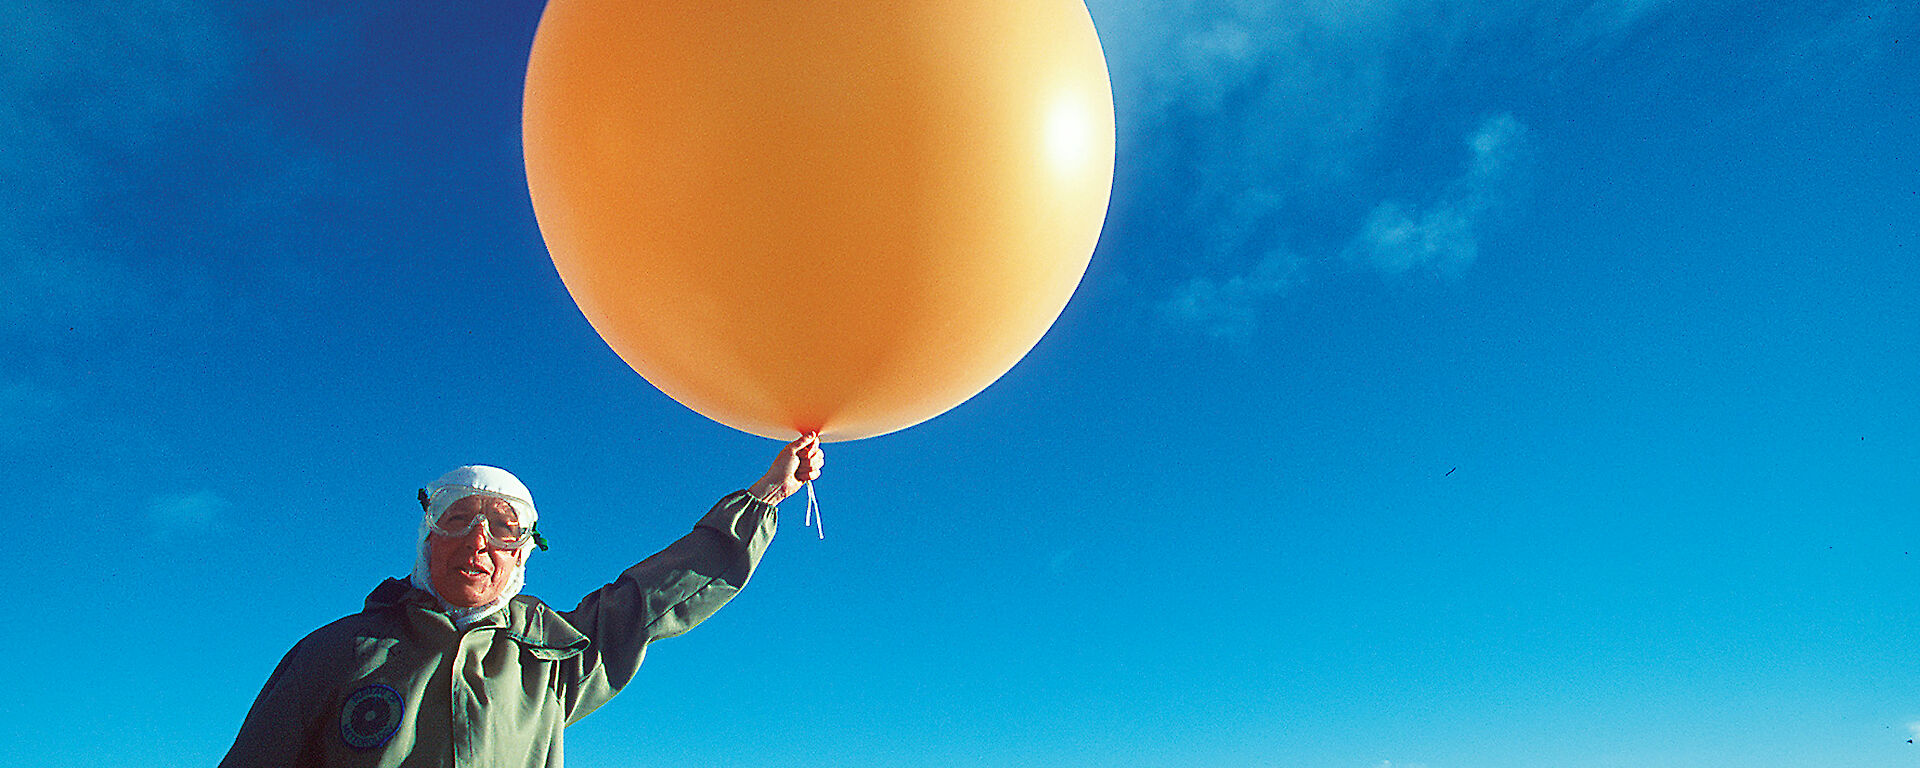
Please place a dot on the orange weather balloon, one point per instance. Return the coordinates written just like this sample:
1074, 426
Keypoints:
843, 216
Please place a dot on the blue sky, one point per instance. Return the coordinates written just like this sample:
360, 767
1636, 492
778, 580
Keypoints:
1456, 384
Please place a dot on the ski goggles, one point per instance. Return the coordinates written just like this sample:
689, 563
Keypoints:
502, 529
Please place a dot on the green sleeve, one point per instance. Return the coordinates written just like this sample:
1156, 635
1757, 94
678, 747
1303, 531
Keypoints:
283, 727
663, 596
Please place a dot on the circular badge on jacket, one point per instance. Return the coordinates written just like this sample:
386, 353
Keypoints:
370, 716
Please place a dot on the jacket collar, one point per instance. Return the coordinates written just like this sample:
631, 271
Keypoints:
527, 620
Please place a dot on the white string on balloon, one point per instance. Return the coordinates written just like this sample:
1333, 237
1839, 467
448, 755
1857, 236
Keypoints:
813, 513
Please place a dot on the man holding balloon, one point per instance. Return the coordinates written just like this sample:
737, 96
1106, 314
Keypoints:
453, 666
922, 183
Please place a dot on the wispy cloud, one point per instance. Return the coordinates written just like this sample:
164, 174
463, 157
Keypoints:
84, 81
142, 144
85, 90
88, 93
112, 112
85, 86
176, 517
1856, 39
1397, 238
1250, 128
1606, 23
1227, 308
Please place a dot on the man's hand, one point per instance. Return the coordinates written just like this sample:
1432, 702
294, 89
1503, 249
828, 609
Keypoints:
797, 463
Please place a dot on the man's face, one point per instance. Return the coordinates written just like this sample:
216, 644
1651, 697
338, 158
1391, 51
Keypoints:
466, 570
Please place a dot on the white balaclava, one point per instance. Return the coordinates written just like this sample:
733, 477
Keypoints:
473, 480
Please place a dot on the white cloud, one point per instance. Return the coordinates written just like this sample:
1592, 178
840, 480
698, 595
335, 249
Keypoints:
1228, 308
1278, 84
1496, 146
1854, 41
1397, 238
1608, 22
180, 516
1249, 127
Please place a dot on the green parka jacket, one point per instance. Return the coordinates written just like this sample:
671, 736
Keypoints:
398, 685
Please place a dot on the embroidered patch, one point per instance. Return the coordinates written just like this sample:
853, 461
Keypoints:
370, 716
